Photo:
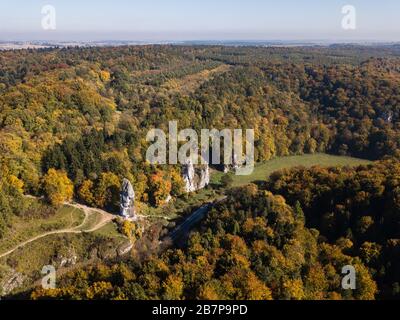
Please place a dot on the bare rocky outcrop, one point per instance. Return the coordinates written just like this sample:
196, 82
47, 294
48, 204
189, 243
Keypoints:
168, 199
388, 116
10, 282
234, 166
67, 260
127, 202
195, 180
235, 162
125, 249
189, 177
204, 177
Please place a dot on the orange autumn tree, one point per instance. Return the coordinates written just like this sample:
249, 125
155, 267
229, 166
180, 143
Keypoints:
160, 188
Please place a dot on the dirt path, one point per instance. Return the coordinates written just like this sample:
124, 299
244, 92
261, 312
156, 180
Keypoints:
105, 218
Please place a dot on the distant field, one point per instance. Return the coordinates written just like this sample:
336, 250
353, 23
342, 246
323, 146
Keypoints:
264, 170
190, 83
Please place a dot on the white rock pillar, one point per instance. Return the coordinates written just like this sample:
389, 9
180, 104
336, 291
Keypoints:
127, 200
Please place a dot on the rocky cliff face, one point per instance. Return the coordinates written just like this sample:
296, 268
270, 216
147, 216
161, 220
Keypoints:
235, 162
189, 177
10, 281
127, 205
195, 181
235, 166
70, 258
204, 177
388, 116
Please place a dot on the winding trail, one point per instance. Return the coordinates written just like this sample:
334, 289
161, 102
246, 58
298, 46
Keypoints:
105, 219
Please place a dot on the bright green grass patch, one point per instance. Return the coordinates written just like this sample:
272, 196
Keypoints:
182, 205
23, 229
195, 199
110, 230
264, 170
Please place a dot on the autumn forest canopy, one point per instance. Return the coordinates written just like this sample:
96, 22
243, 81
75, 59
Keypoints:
73, 124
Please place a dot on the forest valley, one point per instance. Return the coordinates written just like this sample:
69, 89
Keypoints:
73, 124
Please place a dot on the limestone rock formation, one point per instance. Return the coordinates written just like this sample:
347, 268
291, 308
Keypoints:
189, 177
388, 116
127, 196
235, 162
168, 199
11, 281
125, 249
195, 179
67, 259
204, 177
235, 166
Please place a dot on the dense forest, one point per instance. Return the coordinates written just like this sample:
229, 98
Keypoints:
256, 245
73, 124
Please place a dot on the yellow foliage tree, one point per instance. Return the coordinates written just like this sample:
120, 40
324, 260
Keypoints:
209, 291
177, 183
141, 186
16, 183
57, 187
104, 76
107, 190
131, 230
173, 288
99, 290
366, 286
160, 188
256, 289
85, 192
293, 289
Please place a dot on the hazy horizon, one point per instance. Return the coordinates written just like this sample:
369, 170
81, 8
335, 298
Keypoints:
179, 20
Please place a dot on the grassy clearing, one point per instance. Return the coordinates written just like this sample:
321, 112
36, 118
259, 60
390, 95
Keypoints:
196, 199
190, 83
184, 205
181, 206
36, 254
264, 170
110, 230
23, 229
30, 259
92, 220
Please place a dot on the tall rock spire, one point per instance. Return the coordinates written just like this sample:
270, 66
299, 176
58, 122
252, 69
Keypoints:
127, 196
204, 177
188, 177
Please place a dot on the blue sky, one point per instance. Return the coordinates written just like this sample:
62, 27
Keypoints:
200, 20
